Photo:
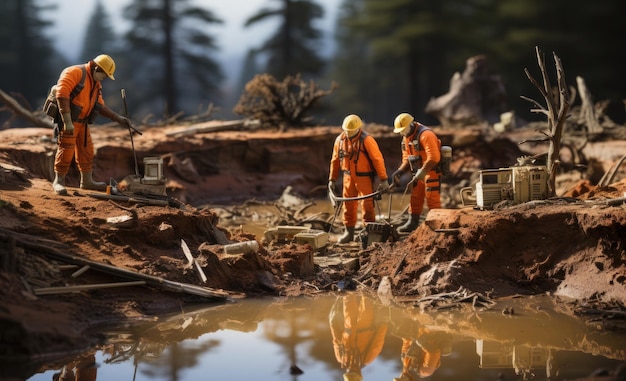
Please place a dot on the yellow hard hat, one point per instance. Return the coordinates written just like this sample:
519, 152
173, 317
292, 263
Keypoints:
402, 121
352, 376
351, 123
107, 64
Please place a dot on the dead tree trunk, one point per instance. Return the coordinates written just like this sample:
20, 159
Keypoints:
14, 105
587, 111
557, 109
473, 98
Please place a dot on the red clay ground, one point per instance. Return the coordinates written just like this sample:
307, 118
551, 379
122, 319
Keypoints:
572, 246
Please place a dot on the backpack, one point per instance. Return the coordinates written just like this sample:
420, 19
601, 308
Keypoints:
50, 106
445, 152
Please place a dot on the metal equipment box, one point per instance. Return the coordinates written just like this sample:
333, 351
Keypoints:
517, 184
316, 238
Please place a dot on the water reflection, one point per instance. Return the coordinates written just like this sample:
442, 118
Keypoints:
358, 327
351, 337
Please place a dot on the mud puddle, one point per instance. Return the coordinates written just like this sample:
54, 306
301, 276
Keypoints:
314, 339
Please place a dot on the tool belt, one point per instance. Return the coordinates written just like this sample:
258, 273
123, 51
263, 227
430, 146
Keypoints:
431, 188
370, 174
76, 110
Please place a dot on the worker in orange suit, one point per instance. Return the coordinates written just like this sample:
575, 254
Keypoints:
358, 328
421, 356
79, 98
421, 156
357, 156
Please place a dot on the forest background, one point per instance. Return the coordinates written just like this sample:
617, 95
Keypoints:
386, 56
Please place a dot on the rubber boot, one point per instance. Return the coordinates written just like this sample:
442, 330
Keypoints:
59, 184
86, 182
348, 235
410, 225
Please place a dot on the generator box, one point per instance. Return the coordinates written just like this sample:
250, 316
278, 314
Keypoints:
517, 184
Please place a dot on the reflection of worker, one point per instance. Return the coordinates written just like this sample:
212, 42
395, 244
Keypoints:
358, 329
79, 96
357, 156
421, 356
420, 155
83, 369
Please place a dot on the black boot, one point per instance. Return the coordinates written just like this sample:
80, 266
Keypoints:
411, 224
348, 235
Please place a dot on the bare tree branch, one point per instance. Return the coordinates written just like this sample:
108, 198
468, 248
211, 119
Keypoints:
556, 112
17, 108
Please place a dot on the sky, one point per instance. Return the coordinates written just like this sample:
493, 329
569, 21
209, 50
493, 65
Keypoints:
71, 18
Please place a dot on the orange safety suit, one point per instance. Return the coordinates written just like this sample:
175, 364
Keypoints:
427, 152
418, 361
83, 369
81, 107
358, 331
360, 160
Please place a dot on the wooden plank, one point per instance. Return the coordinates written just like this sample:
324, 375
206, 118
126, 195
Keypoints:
187, 252
80, 272
53, 249
192, 260
85, 287
202, 274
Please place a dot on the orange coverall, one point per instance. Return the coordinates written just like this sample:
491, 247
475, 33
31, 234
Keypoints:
83, 369
79, 143
429, 152
358, 331
350, 157
417, 360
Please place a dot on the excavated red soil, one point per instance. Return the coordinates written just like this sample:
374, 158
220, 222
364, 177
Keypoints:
573, 245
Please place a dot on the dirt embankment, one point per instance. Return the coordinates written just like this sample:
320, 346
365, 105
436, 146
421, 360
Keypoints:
572, 246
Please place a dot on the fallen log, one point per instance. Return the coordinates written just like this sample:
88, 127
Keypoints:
84, 287
14, 105
129, 199
212, 126
33, 243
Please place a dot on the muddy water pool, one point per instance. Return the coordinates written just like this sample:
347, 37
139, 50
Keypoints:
325, 337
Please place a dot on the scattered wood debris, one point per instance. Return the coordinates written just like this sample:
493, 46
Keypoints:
454, 299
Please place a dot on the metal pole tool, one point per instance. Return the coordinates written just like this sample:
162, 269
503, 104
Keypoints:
130, 130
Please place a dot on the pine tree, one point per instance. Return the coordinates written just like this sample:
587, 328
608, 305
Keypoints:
398, 50
100, 38
171, 54
293, 48
25, 53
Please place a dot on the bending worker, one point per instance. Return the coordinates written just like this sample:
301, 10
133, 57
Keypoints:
422, 357
356, 155
421, 156
79, 98
358, 328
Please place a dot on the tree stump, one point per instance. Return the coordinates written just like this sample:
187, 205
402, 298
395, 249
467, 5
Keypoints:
474, 97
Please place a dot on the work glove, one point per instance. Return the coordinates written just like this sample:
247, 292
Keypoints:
122, 120
68, 125
383, 186
396, 177
419, 175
